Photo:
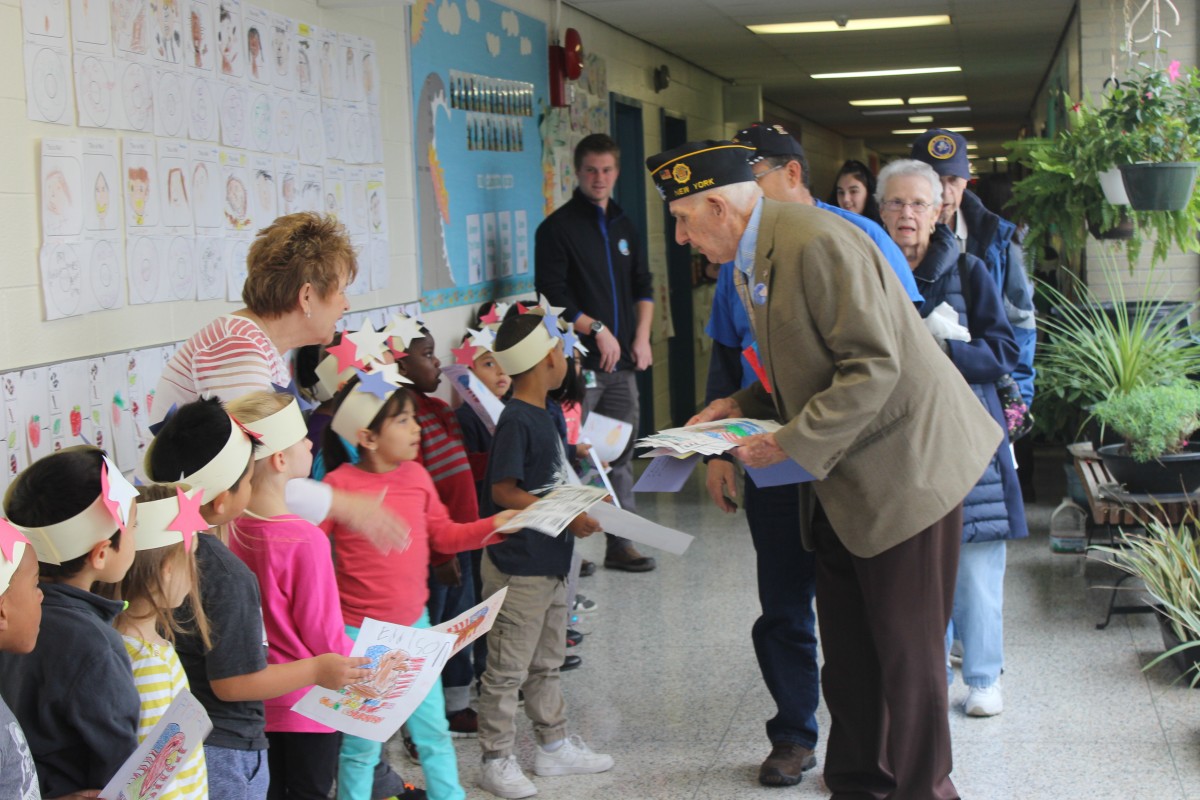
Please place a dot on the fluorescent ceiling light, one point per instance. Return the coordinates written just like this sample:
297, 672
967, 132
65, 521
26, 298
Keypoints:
919, 131
1000, 159
920, 119
972, 146
833, 26
947, 98
940, 109
884, 73
886, 101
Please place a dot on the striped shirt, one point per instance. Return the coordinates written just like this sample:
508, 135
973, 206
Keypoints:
445, 457
227, 358
159, 677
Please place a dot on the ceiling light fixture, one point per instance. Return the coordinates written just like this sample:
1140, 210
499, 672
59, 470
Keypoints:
946, 98
845, 24
972, 146
885, 73
919, 131
885, 101
920, 119
940, 110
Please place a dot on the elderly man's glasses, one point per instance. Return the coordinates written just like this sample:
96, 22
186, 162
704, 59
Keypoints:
767, 172
896, 206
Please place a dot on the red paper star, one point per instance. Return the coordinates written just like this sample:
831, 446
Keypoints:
9, 536
464, 355
255, 436
189, 520
522, 309
491, 316
346, 353
116, 492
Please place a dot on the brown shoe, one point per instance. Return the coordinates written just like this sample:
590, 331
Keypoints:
786, 764
627, 558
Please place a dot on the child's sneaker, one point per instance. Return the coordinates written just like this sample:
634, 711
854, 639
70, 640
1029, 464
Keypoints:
584, 605
410, 750
573, 757
464, 723
503, 777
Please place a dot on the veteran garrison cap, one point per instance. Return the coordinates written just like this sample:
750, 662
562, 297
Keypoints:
699, 166
945, 151
769, 140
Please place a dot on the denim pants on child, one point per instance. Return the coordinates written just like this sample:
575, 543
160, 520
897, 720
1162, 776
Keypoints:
236, 774
526, 648
430, 732
978, 619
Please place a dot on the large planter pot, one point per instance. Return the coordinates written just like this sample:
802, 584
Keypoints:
1159, 187
1113, 186
1185, 660
1169, 474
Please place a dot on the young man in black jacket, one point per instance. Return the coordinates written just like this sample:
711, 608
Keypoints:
586, 260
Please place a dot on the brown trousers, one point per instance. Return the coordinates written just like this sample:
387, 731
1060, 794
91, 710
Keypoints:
883, 628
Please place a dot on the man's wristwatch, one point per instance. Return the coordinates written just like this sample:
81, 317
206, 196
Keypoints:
596, 327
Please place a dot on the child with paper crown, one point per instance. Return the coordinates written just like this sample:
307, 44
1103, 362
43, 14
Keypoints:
74, 694
526, 646
293, 562
378, 420
20, 618
443, 455
215, 453
163, 575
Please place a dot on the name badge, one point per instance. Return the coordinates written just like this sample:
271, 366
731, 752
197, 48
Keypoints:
759, 294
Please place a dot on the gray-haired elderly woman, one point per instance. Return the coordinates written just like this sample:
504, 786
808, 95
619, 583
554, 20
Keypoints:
964, 312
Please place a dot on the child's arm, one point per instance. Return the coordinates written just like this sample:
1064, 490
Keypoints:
448, 536
331, 670
507, 494
104, 707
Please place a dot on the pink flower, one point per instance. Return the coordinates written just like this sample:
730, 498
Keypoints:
1075, 108
1150, 95
1173, 71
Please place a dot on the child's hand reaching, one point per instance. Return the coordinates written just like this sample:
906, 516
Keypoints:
503, 518
335, 671
584, 526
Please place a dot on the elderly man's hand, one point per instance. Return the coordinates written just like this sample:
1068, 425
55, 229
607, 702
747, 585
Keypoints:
724, 408
760, 450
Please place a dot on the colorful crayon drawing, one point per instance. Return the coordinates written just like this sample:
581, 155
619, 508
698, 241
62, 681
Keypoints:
464, 630
158, 767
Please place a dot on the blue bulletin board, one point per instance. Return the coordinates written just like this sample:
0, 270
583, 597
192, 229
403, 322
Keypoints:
479, 74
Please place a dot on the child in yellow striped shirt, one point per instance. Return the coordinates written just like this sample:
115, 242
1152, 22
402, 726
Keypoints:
163, 575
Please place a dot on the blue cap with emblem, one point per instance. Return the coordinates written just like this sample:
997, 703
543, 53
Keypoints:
945, 151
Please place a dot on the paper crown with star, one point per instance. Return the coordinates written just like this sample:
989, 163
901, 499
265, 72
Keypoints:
171, 520
222, 470
279, 431
13, 542
74, 537
525, 354
402, 330
376, 380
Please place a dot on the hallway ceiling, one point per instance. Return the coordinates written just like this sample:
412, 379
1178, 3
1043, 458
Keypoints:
1004, 50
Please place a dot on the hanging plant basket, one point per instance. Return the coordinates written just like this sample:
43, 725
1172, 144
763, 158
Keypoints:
1122, 230
1159, 187
1113, 186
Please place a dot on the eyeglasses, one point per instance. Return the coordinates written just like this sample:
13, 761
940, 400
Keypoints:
765, 173
897, 206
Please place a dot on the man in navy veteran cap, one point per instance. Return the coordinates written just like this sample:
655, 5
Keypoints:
870, 407
784, 636
987, 236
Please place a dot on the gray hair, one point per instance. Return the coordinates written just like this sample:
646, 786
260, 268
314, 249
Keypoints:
741, 196
904, 168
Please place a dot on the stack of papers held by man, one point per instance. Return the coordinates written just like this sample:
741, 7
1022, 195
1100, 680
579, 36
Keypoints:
706, 439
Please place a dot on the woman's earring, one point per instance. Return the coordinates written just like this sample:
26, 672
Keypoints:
308, 315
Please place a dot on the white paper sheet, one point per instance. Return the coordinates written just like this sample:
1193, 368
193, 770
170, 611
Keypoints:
607, 436
169, 746
472, 391
638, 529
554, 512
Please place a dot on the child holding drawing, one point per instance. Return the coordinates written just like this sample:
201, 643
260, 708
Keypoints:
382, 429
232, 677
73, 694
293, 562
526, 646
163, 575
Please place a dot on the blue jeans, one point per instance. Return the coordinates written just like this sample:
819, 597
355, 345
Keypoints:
978, 619
431, 733
237, 774
446, 603
784, 637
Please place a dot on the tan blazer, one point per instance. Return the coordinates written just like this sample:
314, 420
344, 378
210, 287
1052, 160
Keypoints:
870, 404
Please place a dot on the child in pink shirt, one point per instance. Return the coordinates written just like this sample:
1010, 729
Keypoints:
391, 586
301, 612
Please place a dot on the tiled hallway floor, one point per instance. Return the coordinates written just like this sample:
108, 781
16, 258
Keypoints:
670, 686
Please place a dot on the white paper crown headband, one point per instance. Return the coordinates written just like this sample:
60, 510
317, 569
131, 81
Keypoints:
279, 431
170, 520
74, 537
12, 549
223, 470
528, 352
363, 403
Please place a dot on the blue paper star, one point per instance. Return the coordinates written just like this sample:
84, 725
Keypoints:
374, 383
551, 323
156, 427
294, 390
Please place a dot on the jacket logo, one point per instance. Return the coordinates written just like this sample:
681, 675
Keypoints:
682, 173
942, 147
623, 246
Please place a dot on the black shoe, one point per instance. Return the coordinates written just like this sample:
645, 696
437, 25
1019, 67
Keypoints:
628, 559
570, 662
587, 569
573, 638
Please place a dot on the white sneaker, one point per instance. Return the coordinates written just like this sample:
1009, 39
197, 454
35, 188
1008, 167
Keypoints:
985, 702
503, 777
573, 757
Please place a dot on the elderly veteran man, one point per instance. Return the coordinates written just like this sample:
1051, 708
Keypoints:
875, 411
784, 636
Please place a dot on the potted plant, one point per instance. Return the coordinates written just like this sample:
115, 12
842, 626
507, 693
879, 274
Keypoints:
1155, 422
1167, 560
